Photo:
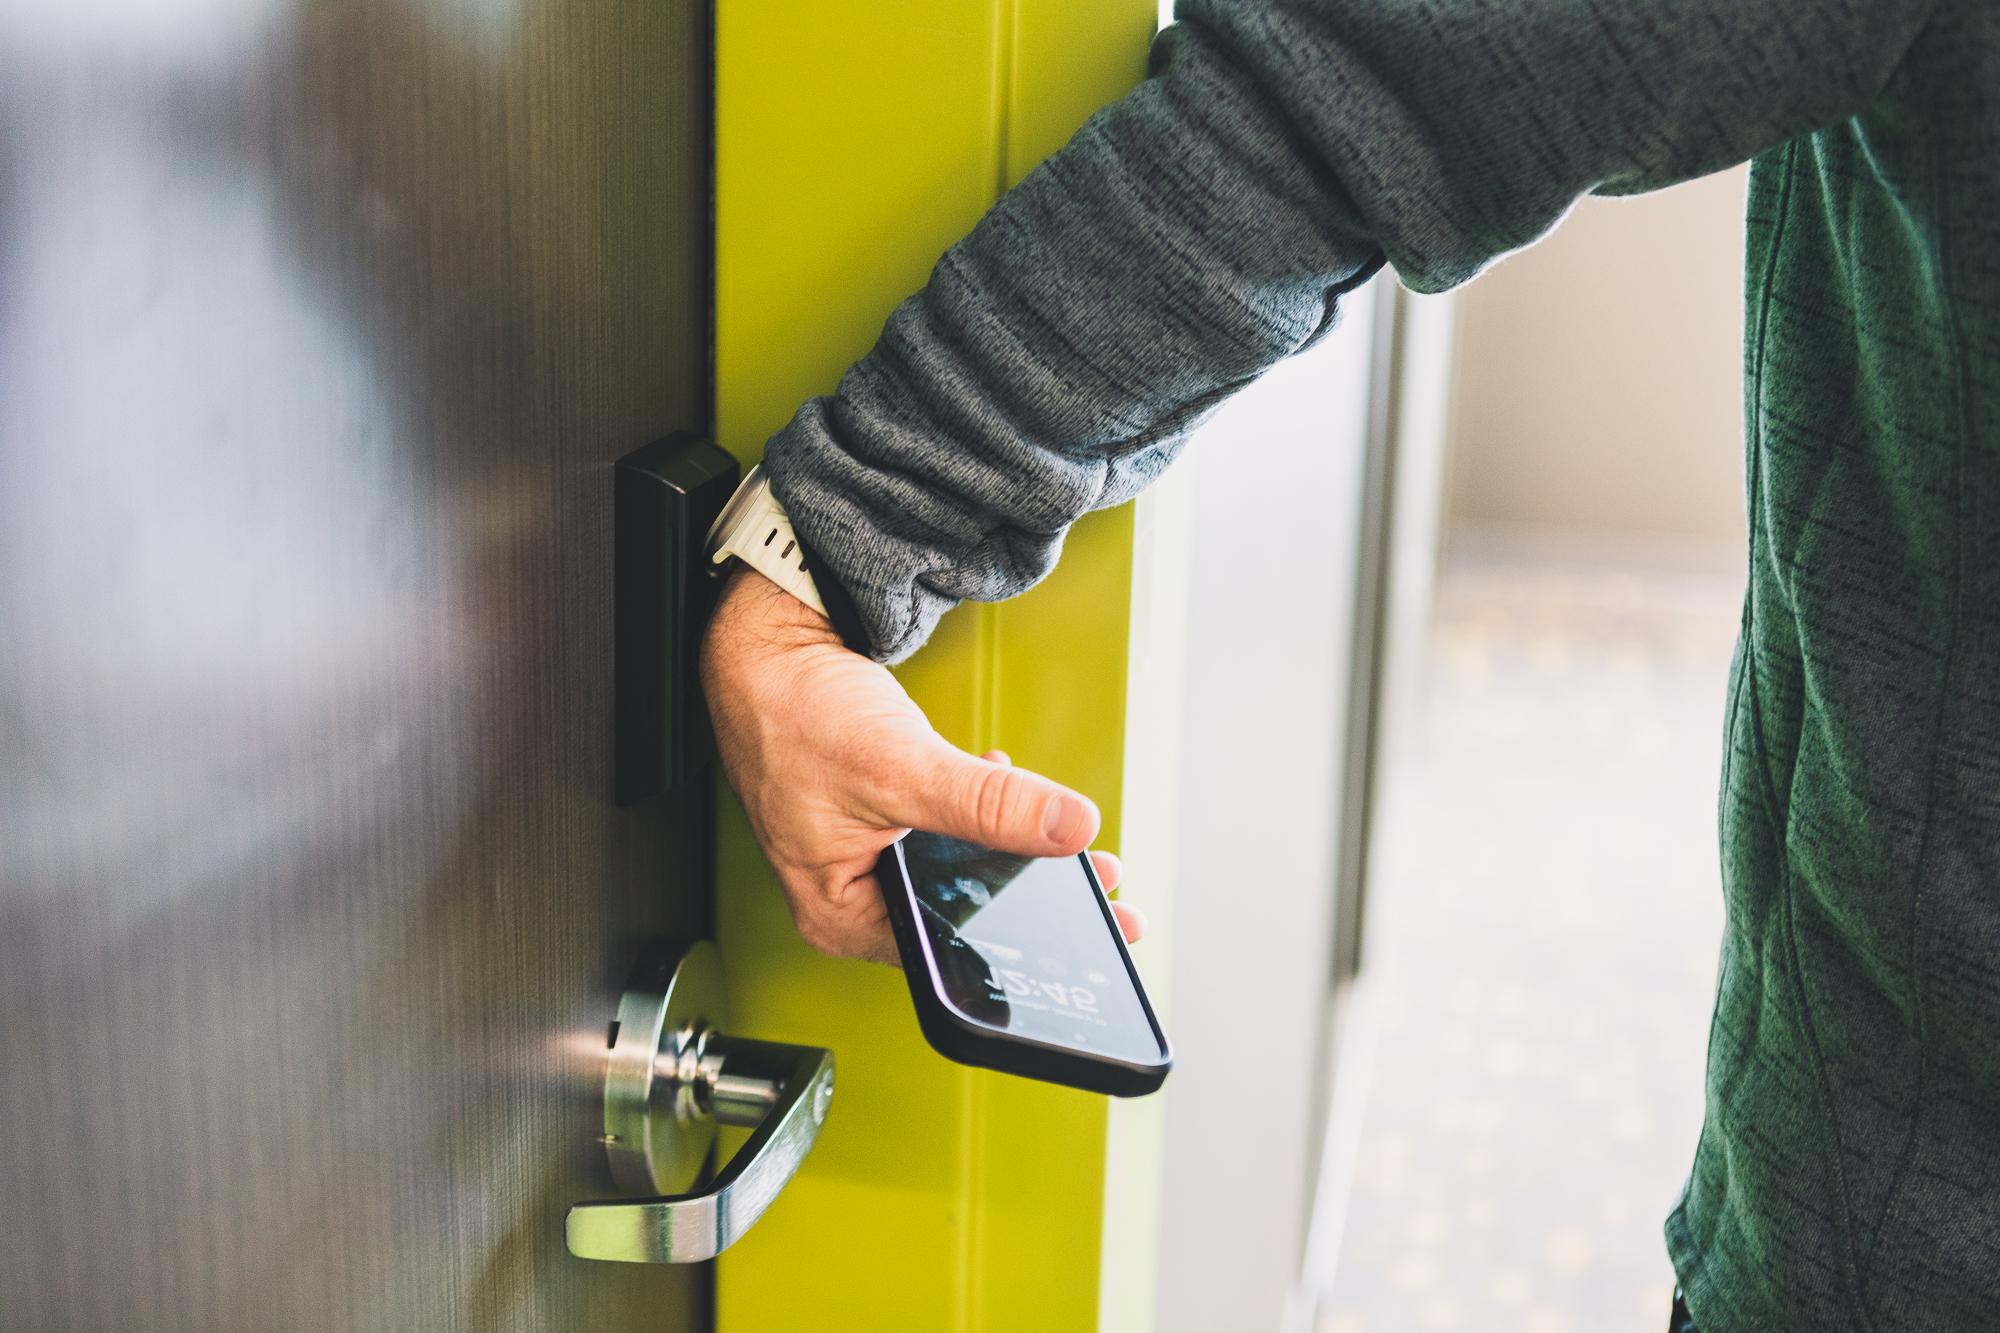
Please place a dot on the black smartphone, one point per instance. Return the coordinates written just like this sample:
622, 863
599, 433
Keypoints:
1017, 964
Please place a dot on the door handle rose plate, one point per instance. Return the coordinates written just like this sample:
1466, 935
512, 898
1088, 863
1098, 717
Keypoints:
673, 1075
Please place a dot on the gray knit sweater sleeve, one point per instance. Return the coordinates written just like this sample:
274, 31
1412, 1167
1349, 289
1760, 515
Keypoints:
1206, 225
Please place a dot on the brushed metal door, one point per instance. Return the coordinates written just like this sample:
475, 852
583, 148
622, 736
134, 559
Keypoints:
321, 325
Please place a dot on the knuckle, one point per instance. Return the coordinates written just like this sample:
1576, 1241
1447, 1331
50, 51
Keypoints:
808, 913
817, 931
824, 913
816, 937
995, 794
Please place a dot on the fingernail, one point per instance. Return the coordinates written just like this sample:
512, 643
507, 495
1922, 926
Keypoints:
1060, 819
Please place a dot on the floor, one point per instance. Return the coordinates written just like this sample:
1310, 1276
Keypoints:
1541, 957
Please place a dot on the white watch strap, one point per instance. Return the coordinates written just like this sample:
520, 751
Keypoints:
753, 528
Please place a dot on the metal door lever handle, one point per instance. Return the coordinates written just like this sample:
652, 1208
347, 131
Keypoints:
661, 1108
783, 1091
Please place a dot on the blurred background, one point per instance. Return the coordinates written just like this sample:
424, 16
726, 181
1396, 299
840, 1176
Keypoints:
1498, 1098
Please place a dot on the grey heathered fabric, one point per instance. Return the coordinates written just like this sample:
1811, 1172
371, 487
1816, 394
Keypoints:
1205, 226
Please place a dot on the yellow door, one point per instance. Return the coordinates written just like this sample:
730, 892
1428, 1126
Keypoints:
854, 142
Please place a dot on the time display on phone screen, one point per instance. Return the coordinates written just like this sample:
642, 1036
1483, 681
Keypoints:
1025, 945
1021, 987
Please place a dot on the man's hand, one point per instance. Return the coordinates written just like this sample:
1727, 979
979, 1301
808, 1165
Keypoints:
834, 762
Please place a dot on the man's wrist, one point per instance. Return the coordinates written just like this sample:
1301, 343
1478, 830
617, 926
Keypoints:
838, 606
754, 528
750, 598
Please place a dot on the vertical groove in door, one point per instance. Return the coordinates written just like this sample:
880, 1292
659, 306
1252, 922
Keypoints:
987, 729
972, 1164
1006, 55
1058, 675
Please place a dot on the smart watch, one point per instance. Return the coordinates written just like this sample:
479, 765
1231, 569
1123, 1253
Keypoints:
753, 528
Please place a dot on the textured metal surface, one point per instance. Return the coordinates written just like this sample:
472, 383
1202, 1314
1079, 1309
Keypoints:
321, 326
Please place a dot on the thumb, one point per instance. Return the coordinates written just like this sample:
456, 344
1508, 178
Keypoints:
996, 805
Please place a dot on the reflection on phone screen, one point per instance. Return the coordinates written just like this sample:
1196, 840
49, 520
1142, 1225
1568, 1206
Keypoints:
1023, 944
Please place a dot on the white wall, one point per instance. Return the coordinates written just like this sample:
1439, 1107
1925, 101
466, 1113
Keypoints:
1599, 385
1268, 617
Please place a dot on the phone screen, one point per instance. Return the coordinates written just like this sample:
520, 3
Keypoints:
1025, 945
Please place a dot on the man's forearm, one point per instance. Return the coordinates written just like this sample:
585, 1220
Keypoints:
1206, 226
